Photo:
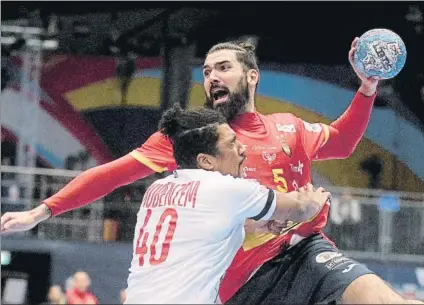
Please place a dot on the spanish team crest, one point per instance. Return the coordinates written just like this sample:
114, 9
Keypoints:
284, 146
286, 149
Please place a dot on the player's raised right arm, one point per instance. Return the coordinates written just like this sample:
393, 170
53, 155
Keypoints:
153, 156
96, 183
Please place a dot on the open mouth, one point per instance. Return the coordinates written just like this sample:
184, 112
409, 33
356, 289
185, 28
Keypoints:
219, 95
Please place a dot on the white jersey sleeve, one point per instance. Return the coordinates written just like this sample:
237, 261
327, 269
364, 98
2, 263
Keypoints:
245, 198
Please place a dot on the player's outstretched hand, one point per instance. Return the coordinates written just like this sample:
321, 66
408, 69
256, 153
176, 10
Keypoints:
313, 200
23, 221
369, 85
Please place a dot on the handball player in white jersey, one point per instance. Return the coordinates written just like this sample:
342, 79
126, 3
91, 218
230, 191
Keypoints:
191, 223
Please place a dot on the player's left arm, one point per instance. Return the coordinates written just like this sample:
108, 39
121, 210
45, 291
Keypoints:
339, 139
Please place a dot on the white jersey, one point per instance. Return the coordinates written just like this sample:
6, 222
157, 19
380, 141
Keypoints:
189, 228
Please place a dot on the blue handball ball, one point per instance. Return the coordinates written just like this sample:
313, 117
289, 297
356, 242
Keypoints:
380, 53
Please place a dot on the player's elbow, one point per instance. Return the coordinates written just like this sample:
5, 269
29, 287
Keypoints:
341, 143
345, 148
335, 152
347, 151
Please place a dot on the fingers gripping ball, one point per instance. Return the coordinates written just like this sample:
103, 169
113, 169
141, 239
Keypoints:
380, 53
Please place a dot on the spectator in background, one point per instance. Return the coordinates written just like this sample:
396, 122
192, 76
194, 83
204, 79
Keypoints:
56, 295
122, 296
79, 293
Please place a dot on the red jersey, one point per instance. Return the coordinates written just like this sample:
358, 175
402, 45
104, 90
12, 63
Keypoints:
279, 149
75, 297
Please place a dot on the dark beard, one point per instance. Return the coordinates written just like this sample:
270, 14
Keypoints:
235, 104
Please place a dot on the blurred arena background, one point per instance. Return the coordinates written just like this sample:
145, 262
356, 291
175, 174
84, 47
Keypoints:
83, 83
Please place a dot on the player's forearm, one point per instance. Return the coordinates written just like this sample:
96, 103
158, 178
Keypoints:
347, 131
289, 206
368, 90
96, 183
41, 213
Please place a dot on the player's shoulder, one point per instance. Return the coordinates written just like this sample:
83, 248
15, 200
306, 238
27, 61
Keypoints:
285, 117
157, 139
286, 122
228, 183
219, 181
196, 174
159, 136
213, 177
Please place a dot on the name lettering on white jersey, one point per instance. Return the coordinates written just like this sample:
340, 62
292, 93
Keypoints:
171, 194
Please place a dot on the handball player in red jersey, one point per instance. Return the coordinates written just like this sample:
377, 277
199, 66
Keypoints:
299, 264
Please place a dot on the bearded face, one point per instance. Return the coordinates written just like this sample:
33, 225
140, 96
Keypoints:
229, 103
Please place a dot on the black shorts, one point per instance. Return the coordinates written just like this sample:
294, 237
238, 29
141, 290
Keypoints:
312, 272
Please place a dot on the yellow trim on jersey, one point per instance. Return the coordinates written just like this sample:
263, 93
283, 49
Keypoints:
326, 134
253, 240
142, 159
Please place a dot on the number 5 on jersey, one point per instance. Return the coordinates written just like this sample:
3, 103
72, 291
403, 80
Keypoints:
280, 180
169, 215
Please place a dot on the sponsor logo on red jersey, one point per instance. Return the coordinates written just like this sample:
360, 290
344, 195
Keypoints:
286, 128
316, 127
297, 168
268, 157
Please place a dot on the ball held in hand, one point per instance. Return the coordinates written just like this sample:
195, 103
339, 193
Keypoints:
380, 53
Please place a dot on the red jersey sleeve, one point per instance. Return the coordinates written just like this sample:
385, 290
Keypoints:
339, 139
95, 183
347, 131
314, 136
156, 153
